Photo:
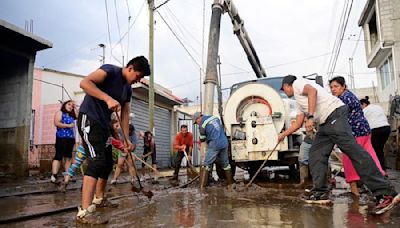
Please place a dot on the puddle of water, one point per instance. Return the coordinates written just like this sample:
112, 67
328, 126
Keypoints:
253, 207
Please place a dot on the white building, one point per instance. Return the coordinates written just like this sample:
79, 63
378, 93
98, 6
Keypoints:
380, 21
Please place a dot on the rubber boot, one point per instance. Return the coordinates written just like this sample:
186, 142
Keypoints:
229, 178
304, 176
203, 177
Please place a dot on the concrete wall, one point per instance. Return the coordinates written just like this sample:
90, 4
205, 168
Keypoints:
396, 36
388, 25
385, 19
389, 17
15, 108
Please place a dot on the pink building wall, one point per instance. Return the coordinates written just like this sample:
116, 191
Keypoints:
33, 158
44, 129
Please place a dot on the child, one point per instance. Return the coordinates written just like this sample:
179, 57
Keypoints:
120, 153
80, 157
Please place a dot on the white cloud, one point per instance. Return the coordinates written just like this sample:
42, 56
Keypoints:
282, 32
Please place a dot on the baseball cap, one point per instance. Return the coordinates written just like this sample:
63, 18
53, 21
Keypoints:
288, 80
196, 115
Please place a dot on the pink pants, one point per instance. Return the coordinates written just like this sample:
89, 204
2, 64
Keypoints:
349, 172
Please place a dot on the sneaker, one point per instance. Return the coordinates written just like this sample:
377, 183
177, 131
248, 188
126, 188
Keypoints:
316, 197
385, 203
87, 216
114, 182
103, 202
53, 179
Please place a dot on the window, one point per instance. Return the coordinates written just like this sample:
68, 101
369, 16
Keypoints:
373, 30
386, 73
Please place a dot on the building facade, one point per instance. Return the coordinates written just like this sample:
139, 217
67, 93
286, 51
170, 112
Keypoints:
51, 88
380, 21
17, 57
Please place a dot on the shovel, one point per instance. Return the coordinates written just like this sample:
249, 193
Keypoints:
191, 172
149, 193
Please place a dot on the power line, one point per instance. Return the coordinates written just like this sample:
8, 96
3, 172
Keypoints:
179, 25
127, 6
109, 34
358, 40
54, 84
236, 73
129, 21
239, 68
330, 37
74, 51
342, 29
133, 23
183, 45
299, 60
338, 32
184, 83
166, 1
119, 30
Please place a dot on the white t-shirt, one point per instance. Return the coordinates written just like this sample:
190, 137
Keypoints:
326, 102
375, 116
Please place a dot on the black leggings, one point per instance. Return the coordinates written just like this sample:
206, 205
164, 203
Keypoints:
64, 147
379, 137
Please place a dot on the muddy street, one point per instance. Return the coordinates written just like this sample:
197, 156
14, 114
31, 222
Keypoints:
264, 204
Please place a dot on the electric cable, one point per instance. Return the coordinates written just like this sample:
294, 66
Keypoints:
183, 45
178, 25
358, 40
340, 36
119, 30
340, 44
166, 1
109, 34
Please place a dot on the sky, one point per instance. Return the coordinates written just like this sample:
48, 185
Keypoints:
290, 37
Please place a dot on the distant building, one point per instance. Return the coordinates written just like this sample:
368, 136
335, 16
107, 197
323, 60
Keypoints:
380, 21
52, 87
17, 57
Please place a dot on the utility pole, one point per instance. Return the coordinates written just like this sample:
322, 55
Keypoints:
151, 59
351, 74
219, 89
103, 57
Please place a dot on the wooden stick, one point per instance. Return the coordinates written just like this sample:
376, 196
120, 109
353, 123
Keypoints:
146, 164
262, 165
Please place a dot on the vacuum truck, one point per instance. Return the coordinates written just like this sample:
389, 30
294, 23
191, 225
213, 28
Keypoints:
257, 110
